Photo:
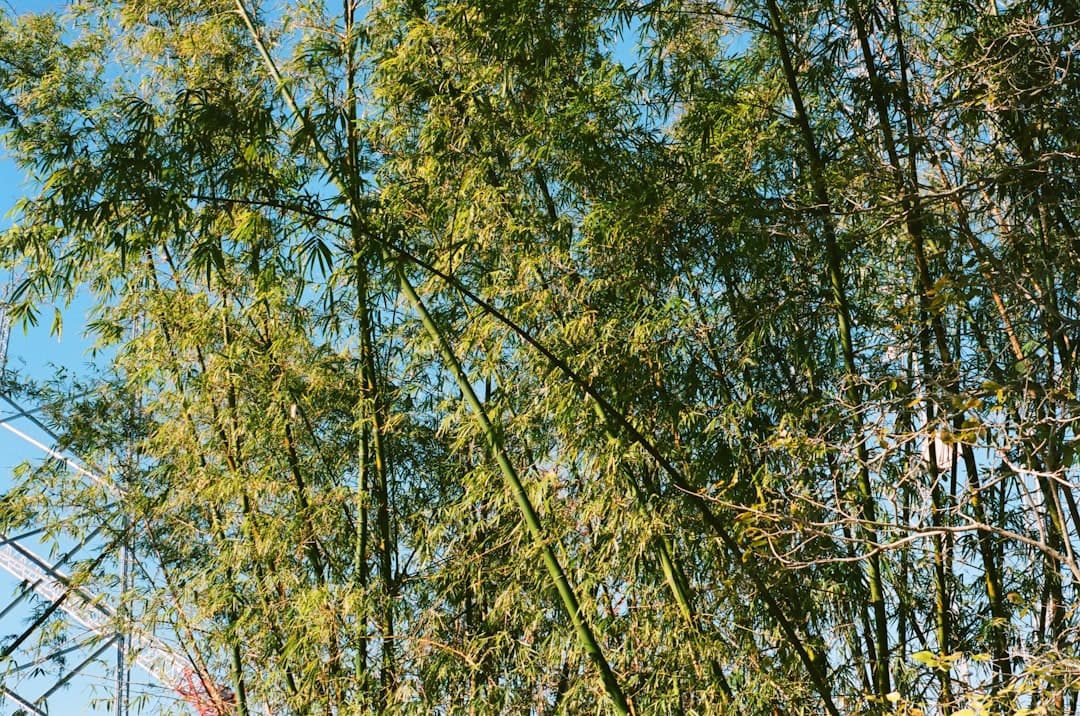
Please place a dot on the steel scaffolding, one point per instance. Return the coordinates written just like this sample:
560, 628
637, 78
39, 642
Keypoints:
106, 623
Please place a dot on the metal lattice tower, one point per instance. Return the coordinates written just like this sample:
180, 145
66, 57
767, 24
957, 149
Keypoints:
92, 613
68, 620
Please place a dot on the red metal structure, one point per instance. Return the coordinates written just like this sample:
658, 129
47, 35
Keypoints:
195, 693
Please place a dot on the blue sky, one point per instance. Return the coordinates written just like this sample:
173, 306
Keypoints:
36, 353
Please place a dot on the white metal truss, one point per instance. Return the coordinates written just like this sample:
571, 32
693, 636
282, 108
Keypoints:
91, 612
134, 646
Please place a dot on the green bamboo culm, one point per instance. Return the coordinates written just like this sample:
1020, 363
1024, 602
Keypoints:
554, 569
532, 520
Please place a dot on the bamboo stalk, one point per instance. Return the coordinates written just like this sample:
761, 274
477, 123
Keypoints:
555, 571
823, 208
521, 497
911, 203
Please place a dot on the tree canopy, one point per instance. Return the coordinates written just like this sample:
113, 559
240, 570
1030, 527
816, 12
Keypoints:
556, 356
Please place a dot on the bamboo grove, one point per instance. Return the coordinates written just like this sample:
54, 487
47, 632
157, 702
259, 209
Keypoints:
566, 356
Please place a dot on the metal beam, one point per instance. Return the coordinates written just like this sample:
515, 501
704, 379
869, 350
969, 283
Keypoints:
86, 608
24, 703
78, 646
71, 674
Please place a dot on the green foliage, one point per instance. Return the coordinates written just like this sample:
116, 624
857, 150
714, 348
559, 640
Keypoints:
478, 357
